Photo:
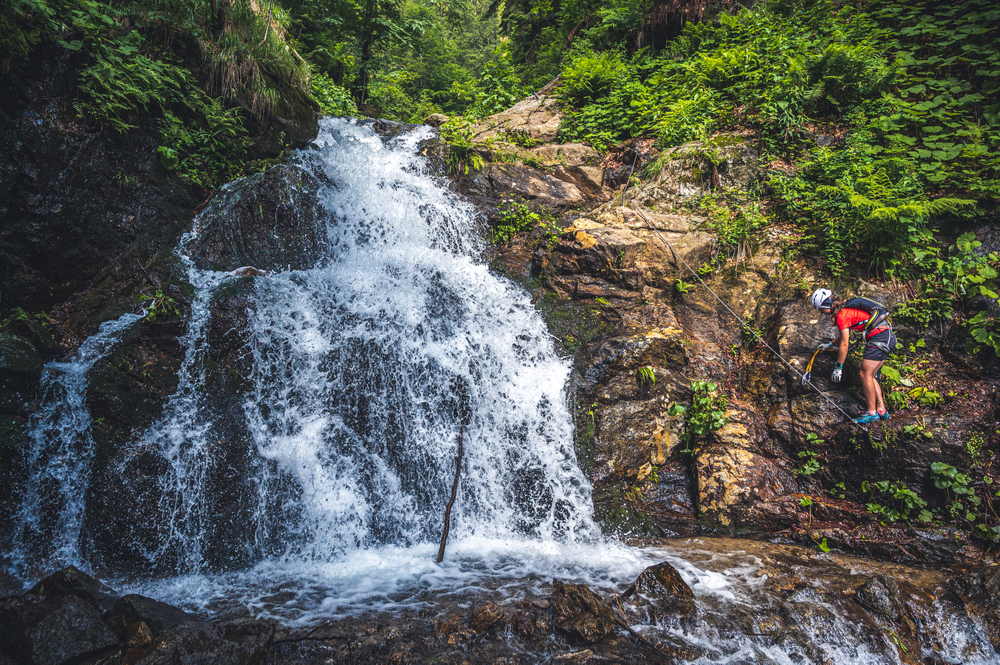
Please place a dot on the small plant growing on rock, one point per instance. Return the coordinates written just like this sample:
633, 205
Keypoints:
159, 305
906, 504
645, 379
811, 457
516, 216
957, 487
704, 417
458, 136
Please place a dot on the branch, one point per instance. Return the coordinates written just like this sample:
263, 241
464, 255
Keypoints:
451, 502
148, 276
268, 26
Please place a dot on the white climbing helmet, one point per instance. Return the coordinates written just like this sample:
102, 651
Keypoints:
822, 298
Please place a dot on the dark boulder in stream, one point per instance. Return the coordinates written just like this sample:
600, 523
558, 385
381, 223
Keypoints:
580, 613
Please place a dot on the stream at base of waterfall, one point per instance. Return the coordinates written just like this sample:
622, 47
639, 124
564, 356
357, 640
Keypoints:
372, 332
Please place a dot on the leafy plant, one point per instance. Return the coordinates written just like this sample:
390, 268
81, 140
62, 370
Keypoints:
704, 416
159, 305
645, 378
457, 134
957, 486
516, 216
812, 458
682, 286
906, 503
332, 98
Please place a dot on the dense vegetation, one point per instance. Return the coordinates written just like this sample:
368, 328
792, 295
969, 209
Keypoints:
906, 95
907, 91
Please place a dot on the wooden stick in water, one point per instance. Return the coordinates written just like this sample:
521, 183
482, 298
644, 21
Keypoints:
451, 502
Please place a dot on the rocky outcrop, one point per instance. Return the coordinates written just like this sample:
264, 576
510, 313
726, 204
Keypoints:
271, 221
537, 117
658, 593
629, 264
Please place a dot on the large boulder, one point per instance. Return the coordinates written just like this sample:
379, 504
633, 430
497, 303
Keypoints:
70, 581
734, 485
580, 614
658, 593
271, 220
537, 117
56, 629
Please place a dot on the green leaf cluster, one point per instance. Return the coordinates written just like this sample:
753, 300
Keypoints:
704, 416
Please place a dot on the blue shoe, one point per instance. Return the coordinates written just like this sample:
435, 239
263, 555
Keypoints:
884, 416
867, 418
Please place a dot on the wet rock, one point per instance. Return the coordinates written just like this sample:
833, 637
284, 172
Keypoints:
55, 629
209, 643
20, 372
139, 636
881, 595
71, 581
579, 613
659, 592
39, 332
735, 486
485, 617
76, 198
981, 593
157, 616
271, 221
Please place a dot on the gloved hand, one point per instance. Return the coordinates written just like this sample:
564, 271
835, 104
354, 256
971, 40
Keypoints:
827, 346
838, 373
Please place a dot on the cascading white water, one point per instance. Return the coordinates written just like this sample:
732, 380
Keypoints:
50, 516
366, 370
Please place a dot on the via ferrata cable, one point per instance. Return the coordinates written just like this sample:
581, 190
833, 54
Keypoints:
743, 323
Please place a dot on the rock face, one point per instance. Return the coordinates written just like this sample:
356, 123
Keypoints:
536, 116
270, 221
625, 270
580, 614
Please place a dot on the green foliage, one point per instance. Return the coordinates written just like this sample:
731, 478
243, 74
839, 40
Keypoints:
812, 458
704, 416
961, 496
517, 216
903, 503
588, 76
498, 87
159, 305
683, 287
462, 156
645, 378
332, 99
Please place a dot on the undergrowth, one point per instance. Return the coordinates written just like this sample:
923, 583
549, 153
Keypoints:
906, 99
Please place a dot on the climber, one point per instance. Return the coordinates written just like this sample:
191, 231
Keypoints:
871, 319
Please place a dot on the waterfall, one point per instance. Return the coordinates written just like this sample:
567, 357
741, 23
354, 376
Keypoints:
50, 517
364, 368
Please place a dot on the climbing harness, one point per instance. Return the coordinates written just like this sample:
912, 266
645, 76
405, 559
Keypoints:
743, 323
807, 377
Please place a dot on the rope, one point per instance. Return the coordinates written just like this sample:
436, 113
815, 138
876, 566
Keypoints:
743, 323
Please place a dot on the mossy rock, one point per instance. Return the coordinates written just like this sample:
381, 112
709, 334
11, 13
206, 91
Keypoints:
20, 372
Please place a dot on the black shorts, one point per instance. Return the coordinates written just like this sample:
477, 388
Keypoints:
876, 346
